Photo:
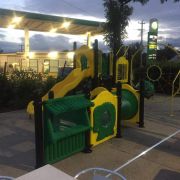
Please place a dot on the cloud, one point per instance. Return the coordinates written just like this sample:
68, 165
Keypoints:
41, 42
78, 8
167, 14
174, 42
16, 4
2, 36
9, 46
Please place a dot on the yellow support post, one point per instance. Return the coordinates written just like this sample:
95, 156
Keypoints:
131, 68
122, 68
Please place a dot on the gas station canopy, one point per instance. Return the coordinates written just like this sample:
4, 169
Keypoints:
48, 23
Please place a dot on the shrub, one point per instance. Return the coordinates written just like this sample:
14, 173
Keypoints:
20, 87
7, 92
169, 71
49, 83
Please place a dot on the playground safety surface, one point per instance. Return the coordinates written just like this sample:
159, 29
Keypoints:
17, 149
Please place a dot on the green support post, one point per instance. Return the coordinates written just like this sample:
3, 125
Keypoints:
114, 68
119, 119
141, 100
74, 58
39, 138
51, 95
95, 84
5, 69
87, 149
88, 145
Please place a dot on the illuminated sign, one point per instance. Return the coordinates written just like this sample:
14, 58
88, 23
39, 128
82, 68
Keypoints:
152, 41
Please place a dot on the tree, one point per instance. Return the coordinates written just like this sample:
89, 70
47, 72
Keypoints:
117, 14
166, 53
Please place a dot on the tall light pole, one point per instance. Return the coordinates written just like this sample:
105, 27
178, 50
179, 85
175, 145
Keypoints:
141, 83
142, 29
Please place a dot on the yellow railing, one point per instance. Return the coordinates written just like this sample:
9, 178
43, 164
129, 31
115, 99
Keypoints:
175, 92
131, 65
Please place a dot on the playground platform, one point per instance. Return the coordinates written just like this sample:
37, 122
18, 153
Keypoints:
17, 149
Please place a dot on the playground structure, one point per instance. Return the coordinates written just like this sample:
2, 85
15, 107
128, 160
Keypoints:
70, 121
86, 108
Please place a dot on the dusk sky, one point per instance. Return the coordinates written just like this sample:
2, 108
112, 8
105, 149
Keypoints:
168, 15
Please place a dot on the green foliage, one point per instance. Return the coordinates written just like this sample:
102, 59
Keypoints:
169, 72
49, 83
117, 16
166, 53
162, 1
20, 87
135, 52
26, 85
6, 90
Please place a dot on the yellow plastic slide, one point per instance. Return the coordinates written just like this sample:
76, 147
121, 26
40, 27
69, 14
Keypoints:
60, 89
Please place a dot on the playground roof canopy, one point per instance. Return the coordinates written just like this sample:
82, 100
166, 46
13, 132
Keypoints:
44, 23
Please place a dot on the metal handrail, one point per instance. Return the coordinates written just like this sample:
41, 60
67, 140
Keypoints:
6, 178
174, 93
176, 77
131, 65
145, 152
100, 169
116, 171
126, 50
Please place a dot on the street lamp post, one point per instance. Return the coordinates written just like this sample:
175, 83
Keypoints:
142, 29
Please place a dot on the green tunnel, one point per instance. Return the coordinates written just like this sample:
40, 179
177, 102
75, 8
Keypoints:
129, 106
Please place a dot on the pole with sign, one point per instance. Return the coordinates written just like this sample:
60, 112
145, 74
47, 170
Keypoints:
152, 41
154, 72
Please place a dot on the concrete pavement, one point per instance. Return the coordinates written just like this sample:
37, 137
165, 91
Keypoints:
17, 154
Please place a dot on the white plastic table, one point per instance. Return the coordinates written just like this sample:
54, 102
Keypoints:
47, 172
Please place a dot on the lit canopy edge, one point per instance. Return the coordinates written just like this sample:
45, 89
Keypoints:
43, 23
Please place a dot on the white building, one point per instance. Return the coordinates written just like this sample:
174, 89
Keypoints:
43, 61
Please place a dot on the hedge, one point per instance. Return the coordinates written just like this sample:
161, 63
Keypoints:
20, 87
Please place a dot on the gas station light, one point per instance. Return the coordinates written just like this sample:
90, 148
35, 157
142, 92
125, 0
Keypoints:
70, 55
11, 26
16, 20
66, 24
154, 25
152, 40
53, 54
31, 55
53, 30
